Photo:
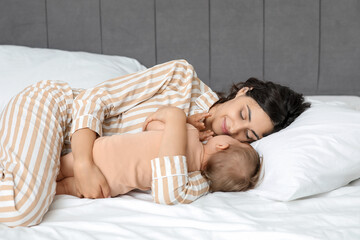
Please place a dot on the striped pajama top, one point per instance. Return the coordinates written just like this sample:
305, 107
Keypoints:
37, 124
121, 105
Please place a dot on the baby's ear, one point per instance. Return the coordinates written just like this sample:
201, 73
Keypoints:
222, 146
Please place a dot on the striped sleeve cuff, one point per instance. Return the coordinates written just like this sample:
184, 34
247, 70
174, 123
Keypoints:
87, 121
169, 166
172, 184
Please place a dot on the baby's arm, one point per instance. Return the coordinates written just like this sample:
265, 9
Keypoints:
159, 126
174, 138
171, 183
173, 142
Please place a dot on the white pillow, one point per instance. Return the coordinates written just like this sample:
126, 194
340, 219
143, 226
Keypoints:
23, 66
317, 153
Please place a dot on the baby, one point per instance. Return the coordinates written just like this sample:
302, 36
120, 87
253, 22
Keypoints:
227, 164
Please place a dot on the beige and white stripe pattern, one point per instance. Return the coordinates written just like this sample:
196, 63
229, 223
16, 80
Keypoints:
36, 126
172, 171
31, 137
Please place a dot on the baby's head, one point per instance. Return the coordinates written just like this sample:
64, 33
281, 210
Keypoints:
232, 166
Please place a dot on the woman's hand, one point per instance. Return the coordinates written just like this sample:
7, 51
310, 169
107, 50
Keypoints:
89, 180
197, 120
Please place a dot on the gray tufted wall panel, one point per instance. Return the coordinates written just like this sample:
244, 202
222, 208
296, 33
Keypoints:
236, 41
23, 23
182, 31
128, 29
340, 47
74, 25
291, 43
312, 46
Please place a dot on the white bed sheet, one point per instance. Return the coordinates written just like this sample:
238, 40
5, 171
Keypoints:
332, 215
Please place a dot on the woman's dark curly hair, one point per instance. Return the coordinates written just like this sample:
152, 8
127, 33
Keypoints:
280, 103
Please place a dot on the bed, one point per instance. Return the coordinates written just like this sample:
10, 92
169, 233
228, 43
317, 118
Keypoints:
86, 42
333, 215
277, 211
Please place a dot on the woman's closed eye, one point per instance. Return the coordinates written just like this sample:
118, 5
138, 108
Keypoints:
251, 136
241, 115
247, 135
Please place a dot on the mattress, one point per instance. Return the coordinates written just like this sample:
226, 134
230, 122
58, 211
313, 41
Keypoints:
242, 215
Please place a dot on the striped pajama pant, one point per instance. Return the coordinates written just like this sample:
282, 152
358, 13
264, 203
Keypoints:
32, 128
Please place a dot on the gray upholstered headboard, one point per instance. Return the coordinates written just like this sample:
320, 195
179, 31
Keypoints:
312, 46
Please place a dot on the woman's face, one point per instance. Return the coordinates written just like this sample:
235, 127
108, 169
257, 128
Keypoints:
241, 118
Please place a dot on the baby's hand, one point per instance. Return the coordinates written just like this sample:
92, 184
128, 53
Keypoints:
206, 135
197, 120
162, 115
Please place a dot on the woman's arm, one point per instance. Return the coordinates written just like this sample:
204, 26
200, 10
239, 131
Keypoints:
89, 180
115, 96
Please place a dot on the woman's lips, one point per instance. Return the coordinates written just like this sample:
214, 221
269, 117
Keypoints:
224, 128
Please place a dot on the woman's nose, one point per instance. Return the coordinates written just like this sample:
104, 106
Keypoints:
237, 128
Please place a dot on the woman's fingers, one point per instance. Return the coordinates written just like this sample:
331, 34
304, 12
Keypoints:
90, 182
105, 188
78, 193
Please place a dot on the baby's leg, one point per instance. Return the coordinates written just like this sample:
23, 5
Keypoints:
66, 186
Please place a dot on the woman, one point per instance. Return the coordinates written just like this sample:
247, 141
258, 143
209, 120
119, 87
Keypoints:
37, 125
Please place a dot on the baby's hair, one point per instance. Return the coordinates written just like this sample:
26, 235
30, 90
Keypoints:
234, 169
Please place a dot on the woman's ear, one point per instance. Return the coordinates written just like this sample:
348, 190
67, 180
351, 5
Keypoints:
243, 91
222, 146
